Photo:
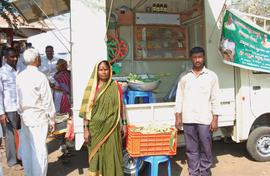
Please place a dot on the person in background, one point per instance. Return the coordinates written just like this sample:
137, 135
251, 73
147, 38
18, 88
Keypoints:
8, 106
62, 88
3, 53
48, 64
62, 95
21, 46
197, 109
28, 45
1, 136
36, 107
102, 110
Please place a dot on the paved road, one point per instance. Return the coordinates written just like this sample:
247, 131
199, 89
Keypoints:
230, 160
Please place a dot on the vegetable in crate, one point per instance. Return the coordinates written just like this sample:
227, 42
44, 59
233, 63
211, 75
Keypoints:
152, 129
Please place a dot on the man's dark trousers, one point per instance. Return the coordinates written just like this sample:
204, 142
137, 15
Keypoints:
10, 127
198, 139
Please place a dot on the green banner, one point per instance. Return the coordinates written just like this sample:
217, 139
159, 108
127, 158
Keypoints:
244, 45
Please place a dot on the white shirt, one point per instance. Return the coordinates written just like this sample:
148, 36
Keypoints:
230, 26
8, 97
48, 67
229, 45
197, 97
35, 102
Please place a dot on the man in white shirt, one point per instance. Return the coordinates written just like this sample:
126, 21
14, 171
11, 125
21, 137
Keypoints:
229, 24
36, 107
8, 105
48, 64
197, 107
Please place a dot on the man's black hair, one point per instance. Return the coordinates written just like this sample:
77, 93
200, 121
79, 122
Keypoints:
8, 50
196, 50
49, 46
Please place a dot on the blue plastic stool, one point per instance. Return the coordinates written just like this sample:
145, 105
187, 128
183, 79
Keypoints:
154, 162
147, 96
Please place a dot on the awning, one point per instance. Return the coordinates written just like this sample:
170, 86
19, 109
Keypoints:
36, 10
25, 30
31, 31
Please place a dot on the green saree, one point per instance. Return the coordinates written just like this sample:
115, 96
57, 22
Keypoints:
102, 108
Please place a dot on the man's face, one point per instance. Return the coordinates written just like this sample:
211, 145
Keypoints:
12, 59
197, 60
49, 53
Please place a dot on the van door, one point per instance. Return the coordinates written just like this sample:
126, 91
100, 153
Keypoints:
259, 92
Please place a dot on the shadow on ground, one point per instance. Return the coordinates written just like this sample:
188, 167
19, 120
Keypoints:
78, 162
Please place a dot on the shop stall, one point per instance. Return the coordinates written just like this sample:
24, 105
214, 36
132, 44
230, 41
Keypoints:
157, 36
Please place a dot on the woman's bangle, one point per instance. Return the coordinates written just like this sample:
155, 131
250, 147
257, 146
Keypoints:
85, 126
124, 121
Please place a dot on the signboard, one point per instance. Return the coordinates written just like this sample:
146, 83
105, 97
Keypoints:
244, 45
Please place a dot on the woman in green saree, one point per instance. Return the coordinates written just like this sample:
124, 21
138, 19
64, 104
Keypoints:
102, 110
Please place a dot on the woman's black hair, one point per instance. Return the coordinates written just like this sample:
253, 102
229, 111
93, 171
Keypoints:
196, 50
105, 62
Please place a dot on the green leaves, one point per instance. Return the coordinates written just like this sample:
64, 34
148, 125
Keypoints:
146, 78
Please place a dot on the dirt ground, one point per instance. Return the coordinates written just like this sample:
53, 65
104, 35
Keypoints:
230, 160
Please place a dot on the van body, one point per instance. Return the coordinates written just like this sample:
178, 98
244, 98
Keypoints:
245, 112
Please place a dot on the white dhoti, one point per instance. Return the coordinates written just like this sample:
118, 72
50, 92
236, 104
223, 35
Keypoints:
1, 131
34, 149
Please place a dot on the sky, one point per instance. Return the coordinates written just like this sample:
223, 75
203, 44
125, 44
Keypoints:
62, 23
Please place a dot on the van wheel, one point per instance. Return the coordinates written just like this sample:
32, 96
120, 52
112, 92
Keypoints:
258, 144
130, 164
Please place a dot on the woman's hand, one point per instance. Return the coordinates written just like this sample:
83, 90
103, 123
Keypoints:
86, 135
124, 131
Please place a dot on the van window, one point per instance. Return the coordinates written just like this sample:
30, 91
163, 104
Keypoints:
259, 72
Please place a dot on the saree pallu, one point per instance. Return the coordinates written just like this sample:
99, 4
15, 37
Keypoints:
105, 145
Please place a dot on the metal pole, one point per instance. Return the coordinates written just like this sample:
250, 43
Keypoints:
55, 27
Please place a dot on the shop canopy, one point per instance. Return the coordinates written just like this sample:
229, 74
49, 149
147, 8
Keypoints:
22, 29
36, 10
243, 43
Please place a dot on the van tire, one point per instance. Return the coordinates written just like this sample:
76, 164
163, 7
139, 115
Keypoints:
258, 144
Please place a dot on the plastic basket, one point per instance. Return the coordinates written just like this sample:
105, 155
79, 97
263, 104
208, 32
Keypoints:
139, 144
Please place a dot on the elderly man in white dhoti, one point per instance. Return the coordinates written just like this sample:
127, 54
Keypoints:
35, 104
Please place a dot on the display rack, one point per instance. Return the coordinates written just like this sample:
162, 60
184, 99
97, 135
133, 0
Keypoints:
160, 42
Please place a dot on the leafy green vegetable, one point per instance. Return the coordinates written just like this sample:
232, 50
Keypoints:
145, 78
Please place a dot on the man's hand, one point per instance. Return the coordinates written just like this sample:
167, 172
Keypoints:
52, 126
124, 131
214, 123
178, 121
3, 119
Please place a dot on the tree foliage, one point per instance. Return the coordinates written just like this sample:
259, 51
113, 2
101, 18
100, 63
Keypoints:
256, 7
